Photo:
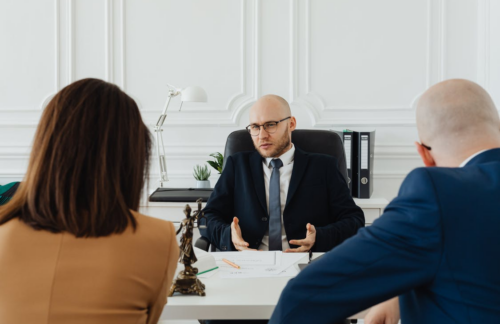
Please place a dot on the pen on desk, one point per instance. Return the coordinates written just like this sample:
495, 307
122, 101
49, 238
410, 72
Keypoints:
231, 264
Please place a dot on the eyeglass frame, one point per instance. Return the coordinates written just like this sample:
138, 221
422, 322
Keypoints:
263, 126
425, 146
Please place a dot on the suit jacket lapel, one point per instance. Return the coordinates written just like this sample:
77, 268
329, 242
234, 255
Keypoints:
258, 178
299, 168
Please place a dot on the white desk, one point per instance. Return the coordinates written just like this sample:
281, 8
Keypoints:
253, 298
173, 212
250, 298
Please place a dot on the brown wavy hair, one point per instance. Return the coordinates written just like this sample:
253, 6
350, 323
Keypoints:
88, 164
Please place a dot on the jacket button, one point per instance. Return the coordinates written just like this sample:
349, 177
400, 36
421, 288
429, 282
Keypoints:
224, 248
264, 219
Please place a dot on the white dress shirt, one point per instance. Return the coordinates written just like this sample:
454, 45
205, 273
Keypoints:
285, 176
470, 158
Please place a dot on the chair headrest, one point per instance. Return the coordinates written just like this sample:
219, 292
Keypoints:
308, 140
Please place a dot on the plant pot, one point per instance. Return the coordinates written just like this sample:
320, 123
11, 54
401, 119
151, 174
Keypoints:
203, 184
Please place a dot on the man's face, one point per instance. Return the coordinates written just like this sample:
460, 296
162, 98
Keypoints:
275, 144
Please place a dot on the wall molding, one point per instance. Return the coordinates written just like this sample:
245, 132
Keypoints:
293, 26
483, 44
320, 112
250, 74
109, 40
122, 47
70, 40
250, 88
57, 47
57, 58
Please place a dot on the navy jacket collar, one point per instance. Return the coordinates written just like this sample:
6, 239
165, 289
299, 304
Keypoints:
485, 157
299, 168
258, 178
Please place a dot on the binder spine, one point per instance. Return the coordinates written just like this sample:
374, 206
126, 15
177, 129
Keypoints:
355, 164
366, 147
348, 143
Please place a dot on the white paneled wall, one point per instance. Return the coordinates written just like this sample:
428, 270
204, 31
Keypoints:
357, 64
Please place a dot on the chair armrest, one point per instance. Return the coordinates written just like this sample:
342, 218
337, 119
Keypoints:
202, 243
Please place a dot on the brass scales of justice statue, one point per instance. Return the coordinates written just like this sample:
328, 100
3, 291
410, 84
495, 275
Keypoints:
186, 282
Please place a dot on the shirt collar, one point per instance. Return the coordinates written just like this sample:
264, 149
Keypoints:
464, 163
286, 158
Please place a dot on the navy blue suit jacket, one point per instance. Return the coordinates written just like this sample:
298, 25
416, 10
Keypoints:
437, 246
318, 194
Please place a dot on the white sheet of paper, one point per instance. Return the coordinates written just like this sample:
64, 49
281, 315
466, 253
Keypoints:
291, 271
253, 258
258, 264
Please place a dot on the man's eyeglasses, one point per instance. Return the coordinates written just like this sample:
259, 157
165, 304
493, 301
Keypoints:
270, 127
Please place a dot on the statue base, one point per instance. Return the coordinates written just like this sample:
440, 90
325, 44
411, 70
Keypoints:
187, 284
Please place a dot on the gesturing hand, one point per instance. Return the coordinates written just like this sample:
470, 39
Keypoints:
236, 236
384, 313
307, 243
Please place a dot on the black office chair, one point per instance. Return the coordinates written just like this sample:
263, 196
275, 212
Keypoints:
312, 141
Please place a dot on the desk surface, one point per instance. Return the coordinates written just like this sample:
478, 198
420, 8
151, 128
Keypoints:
249, 298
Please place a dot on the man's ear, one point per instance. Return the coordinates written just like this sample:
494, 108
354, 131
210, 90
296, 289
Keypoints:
293, 123
425, 155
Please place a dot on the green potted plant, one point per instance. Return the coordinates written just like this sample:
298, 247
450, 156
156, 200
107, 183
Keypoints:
218, 161
201, 174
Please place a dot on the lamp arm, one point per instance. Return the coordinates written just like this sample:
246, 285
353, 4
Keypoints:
160, 148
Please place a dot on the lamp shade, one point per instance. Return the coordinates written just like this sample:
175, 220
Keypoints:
194, 94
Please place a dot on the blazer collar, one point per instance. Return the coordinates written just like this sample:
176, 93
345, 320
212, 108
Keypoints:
485, 157
299, 168
258, 178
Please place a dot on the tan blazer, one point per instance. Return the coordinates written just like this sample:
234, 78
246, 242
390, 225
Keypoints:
57, 278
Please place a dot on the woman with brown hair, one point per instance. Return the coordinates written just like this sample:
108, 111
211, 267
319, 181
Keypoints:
73, 248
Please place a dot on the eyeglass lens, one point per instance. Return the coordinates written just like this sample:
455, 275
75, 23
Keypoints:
268, 127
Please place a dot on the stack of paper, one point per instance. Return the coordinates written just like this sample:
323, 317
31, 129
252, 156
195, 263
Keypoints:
205, 264
254, 264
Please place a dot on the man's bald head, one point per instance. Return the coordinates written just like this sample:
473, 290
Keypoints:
455, 116
269, 103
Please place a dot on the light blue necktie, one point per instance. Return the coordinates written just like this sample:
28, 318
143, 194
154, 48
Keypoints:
275, 207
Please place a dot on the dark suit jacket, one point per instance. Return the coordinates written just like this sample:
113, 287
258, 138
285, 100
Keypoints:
437, 246
318, 194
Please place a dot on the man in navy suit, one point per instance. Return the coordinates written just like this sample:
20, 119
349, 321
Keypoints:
437, 245
279, 197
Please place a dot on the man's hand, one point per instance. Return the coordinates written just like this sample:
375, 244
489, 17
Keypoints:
307, 243
384, 313
237, 238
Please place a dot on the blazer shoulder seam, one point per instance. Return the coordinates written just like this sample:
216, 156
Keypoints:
54, 277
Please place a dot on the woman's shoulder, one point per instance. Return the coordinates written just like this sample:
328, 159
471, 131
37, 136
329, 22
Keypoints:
152, 225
